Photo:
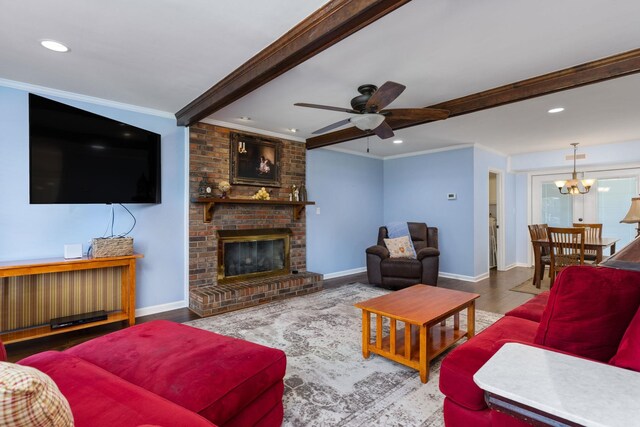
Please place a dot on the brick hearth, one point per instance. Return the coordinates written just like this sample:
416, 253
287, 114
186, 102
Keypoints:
209, 157
209, 300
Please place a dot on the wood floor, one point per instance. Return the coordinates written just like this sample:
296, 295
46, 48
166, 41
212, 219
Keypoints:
495, 296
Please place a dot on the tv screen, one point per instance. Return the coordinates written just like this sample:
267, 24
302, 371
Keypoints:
80, 157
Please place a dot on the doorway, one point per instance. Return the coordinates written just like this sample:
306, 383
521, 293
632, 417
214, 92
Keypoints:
495, 196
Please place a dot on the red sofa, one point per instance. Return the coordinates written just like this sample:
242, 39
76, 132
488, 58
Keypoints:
591, 312
168, 374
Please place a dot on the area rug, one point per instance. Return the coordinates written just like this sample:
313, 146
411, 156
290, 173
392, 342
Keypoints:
328, 382
528, 287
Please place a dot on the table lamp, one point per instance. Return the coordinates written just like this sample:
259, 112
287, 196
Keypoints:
633, 216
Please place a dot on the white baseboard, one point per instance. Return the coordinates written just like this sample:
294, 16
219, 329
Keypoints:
516, 264
344, 273
463, 277
146, 311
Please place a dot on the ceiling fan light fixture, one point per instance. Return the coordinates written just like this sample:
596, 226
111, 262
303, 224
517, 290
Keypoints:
367, 121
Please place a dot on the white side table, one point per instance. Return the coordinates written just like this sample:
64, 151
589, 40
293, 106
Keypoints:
549, 388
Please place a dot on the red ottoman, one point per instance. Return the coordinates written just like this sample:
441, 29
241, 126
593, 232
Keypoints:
226, 380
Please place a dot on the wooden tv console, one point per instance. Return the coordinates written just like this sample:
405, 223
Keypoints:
56, 265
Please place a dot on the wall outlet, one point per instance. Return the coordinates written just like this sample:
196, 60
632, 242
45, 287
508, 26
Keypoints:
317, 210
452, 196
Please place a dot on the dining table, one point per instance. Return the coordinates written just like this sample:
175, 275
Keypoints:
597, 244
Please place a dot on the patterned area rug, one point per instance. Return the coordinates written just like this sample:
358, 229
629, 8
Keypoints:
328, 382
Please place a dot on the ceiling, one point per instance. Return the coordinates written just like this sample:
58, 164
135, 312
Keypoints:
161, 55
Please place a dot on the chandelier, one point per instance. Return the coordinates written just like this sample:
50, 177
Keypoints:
575, 186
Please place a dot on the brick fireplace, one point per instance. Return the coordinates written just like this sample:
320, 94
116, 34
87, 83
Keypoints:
211, 292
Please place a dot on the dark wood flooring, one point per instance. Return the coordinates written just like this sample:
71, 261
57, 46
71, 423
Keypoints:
495, 296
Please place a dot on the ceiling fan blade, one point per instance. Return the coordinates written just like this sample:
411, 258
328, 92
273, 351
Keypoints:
384, 96
384, 131
417, 113
326, 107
331, 126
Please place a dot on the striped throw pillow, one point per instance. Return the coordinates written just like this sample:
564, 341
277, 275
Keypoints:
29, 397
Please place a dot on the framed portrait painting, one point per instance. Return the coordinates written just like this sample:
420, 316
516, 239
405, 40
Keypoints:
254, 160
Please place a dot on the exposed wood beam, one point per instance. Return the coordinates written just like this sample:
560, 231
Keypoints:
328, 25
619, 65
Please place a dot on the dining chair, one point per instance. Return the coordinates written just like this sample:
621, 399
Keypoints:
591, 231
539, 232
566, 248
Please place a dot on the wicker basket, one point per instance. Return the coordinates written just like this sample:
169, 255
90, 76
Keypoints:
112, 246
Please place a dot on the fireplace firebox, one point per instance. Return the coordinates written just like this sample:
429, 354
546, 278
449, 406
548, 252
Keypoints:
244, 254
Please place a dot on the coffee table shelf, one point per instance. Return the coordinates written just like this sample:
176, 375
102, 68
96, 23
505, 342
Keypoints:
443, 337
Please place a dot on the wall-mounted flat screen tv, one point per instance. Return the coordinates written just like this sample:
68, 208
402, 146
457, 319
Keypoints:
80, 157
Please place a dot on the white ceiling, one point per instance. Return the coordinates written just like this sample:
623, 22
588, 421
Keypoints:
162, 54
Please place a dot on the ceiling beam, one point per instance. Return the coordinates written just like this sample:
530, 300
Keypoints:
328, 25
619, 65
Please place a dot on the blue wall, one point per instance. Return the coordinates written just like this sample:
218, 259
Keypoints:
348, 190
40, 231
415, 189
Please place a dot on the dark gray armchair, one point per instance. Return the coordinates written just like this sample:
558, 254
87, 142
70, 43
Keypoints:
398, 273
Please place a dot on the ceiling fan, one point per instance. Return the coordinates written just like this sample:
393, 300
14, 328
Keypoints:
371, 116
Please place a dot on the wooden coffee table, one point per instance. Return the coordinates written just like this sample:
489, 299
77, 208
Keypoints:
425, 307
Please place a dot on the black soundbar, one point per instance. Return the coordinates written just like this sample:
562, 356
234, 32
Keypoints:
78, 319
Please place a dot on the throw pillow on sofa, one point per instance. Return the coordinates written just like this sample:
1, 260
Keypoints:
29, 397
589, 310
628, 355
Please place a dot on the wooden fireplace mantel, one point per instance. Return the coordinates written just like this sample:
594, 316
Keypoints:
211, 202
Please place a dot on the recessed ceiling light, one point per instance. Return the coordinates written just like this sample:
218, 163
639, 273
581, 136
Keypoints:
54, 45
294, 130
556, 110
397, 141
245, 118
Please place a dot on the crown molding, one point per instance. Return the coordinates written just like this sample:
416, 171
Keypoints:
434, 150
490, 150
42, 90
355, 153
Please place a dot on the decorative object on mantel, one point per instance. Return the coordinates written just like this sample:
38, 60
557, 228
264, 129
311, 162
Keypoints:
261, 194
303, 193
204, 188
254, 160
224, 187
573, 185
633, 216
294, 195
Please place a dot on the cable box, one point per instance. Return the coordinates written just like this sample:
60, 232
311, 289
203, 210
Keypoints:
78, 319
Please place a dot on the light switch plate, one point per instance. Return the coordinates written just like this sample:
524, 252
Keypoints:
452, 196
